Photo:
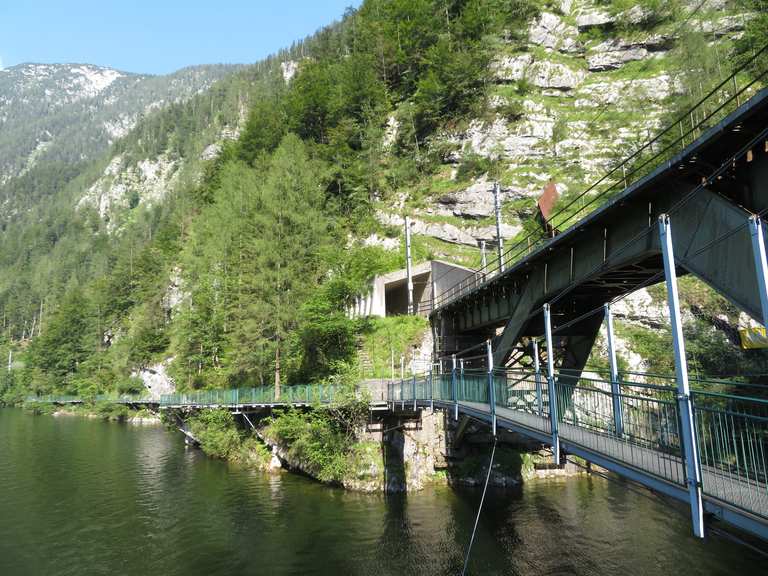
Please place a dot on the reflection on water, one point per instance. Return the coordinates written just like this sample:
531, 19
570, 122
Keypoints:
83, 497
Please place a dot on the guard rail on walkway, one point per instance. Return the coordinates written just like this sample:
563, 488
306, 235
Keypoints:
635, 432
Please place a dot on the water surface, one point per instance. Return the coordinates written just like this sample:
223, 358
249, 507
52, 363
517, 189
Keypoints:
81, 497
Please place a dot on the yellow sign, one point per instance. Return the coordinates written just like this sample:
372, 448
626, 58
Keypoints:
753, 338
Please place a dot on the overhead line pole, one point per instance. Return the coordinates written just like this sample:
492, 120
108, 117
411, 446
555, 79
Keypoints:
408, 264
499, 239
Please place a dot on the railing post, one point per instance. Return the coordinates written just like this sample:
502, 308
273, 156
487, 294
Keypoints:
454, 396
537, 377
551, 384
413, 389
618, 422
491, 387
690, 449
402, 394
761, 267
431, 392
461, 389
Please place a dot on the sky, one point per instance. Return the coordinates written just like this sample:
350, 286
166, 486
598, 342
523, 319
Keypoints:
156, 36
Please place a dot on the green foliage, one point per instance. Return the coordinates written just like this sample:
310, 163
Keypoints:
474, 165
111, 411
64, 345
314, 440
385, 340
217, 432
755, 35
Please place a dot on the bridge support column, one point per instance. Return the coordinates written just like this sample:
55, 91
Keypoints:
537, 377
761, 266
618, 423
551, 384
491, 387
685, 407
454, 396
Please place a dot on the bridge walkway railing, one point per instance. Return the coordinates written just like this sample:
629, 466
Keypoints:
263, 395
732, 430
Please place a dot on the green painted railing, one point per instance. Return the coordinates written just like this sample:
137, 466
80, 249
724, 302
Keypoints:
296, 394
55, 399
731, 430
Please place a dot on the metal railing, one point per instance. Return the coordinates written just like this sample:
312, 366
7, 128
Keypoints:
731, 430
294, 394
54, 399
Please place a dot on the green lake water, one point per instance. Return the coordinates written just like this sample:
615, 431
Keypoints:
81, 497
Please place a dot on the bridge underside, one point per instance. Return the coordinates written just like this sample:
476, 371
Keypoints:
616, 249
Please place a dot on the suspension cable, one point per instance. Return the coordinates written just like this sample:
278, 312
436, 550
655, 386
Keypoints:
480, 509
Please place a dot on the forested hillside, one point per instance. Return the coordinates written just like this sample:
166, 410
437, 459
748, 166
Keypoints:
222, 239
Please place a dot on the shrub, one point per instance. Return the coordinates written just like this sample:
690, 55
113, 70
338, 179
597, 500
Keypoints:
110, 411
217, 432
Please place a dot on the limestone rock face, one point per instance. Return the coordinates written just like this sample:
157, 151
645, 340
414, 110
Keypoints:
551, 32
724, 25
210, 152
511, 68
526, 139
442, 231
545, 74
156, 379
611, 54
384, 242
448, 232
120, 186
174, 293
289, 69
477, 200
636, 15
593, 19
650, 90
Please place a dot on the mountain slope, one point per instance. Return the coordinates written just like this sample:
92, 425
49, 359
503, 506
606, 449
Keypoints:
73, 112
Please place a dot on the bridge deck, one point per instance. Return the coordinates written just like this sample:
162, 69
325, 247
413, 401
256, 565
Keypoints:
722, 487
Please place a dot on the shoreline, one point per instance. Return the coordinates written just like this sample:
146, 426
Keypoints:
365, 470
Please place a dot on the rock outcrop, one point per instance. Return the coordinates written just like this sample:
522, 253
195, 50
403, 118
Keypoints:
549, 31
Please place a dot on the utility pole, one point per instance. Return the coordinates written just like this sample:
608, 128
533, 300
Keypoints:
408, 264
499, 239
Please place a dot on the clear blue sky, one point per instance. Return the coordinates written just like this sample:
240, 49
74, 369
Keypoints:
156, 36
